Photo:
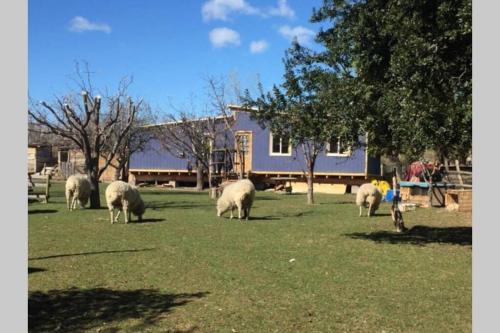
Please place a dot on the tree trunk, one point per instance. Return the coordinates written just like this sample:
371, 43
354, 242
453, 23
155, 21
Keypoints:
211, 190
399, 171
457, 167
92, 168
118, 172
125, 171
199, 177
95, 199
310, 187
121, 172
446, 165
242, 164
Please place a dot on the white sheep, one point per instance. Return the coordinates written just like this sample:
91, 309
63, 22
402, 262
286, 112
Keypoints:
78, 188
370, 197
237, 195
121, 195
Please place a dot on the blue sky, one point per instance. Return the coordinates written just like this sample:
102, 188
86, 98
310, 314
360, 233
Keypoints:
168, 46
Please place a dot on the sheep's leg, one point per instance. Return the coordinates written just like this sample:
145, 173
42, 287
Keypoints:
232, 209
117, 215
239, 210
126, 213
68, 201
75, 199
360, 210
370, 209
247, 213
111, 213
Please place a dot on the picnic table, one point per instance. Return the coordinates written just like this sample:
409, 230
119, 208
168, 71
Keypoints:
281, 183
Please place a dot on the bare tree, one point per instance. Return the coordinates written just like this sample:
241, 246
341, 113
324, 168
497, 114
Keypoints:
136, 139
89, 124
218, 93
189, 135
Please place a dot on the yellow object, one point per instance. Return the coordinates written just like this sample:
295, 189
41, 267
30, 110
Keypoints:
301, 187
382, 185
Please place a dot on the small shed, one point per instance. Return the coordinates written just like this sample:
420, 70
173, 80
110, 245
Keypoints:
459, 200
38, 156
72, 161
423, 194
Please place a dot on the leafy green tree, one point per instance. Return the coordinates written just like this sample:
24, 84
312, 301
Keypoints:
300, 110
409, 67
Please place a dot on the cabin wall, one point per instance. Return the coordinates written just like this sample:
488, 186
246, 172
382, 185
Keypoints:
262, 161
157, 158
157, 164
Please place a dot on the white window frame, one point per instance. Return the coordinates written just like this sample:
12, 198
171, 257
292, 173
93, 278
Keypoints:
271, 153
343, 154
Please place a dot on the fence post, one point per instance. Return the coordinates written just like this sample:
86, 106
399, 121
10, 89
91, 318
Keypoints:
47, 185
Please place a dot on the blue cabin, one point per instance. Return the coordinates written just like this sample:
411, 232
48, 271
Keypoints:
265, 157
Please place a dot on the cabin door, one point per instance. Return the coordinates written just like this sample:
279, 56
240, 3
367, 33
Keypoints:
243, 161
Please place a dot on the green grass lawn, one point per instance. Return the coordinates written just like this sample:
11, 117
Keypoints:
185, 270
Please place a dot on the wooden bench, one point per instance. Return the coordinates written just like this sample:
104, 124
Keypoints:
42, 182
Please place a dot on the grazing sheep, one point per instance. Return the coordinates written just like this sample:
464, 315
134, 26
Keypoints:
78, 188
240, 195
121, 195
370, 197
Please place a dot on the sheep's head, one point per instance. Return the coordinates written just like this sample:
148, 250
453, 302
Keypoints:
139, 210
222, 207
83, 201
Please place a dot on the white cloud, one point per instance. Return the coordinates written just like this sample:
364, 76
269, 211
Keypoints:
81, 24
220, 37
304, 36
282, 10
258, 46
220, 9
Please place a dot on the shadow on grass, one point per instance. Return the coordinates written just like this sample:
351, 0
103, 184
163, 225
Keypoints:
263, 218
270, 218
176, 204
265, 198
42, 211
299, 214
78, 310
420, 235
35, 269
149, 221
87, 253
174, 192
338, 203
378, 214
250, 219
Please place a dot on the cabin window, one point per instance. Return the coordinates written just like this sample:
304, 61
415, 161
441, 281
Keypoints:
335, 147
280, 145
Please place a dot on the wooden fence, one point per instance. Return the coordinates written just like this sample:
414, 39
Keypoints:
67, 169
